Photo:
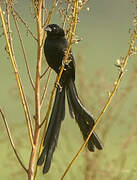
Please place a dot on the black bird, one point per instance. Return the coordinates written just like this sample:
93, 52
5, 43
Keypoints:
54, 48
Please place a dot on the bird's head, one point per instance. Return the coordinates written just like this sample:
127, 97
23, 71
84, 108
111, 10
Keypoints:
54, 30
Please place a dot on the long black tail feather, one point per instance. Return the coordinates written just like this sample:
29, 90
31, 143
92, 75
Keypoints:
83, 117
71, 111
52, 133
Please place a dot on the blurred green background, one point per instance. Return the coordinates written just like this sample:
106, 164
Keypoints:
105, 33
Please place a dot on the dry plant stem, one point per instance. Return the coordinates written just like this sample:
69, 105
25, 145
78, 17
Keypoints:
44, 72
37, 94
34, 7
19, 83
108, 101
66, 15
9, 27
72, 27
50, 103
11, 140
43, 12
83, 3
45, 88
25, 24
23, 50
49, 18
50, 12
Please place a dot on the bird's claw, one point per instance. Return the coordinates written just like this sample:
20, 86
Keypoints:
57, 85
66, 63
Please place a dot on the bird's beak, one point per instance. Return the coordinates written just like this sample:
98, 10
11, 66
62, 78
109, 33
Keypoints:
48, 29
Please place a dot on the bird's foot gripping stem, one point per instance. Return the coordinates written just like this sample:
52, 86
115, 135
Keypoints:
66, 63
58, 85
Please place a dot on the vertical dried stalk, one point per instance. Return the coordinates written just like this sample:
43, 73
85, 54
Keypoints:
51, 12
23, 50
41, 42
25, 24
45, 88
19, 83
37, 93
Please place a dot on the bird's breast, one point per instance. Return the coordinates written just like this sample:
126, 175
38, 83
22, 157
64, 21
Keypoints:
54, 52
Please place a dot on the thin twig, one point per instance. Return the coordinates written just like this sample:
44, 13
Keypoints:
11, 140
18, 79
43, 10
49, 19
34, 7
83, 4
25, 24
50, 103
107, 103
9, 28
50, 13
66, 15
23, 50
44, 73
45, 88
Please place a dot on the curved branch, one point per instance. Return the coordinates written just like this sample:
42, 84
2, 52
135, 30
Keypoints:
25, 24
23, 50
11, 140
44, 73
45, 88
18, 80
50, 13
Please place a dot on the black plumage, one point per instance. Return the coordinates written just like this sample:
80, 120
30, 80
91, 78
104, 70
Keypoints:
54, 49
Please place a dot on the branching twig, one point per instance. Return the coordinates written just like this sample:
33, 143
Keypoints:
45, 89
9, 27
44, 10
82, 5
48, 19
50, 13
23, 50
25, 24
34, 7
18, 79
11, 140
44, 73
108, 101
50, 103
66, 15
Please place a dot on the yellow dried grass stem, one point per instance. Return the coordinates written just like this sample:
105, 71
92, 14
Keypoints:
19, 83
